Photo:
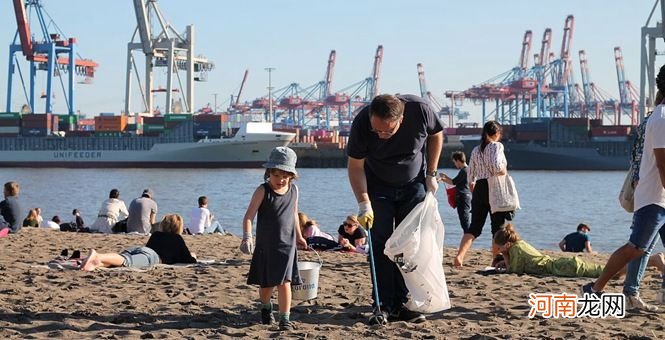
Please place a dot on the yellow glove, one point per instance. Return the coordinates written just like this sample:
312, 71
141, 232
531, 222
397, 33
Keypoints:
365, 214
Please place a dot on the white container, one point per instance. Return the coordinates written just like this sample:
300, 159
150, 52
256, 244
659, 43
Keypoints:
309, 273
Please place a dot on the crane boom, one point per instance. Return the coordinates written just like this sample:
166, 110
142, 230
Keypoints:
376, 72
586, 78
242, 86
421, 82
143, 26
545, 47
621, 76
23, 28
526, 49
330, 73
565, 47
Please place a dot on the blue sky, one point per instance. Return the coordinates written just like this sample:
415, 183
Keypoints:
460, 43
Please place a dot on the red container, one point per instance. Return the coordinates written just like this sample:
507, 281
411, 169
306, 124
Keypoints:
451, 193
208, 118
469, 131
450, 131
596, 123
10, 122
611, 131
37, 121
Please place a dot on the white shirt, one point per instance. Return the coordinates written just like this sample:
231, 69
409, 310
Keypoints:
199, 219
112, 211
649, 189
50, 225
485, 164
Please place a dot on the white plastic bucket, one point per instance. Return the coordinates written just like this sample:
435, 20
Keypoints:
309, 273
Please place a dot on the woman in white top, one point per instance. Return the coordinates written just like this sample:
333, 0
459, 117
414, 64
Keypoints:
487, 159
112, 211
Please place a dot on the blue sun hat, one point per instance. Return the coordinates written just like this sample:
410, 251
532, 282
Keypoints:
282, 158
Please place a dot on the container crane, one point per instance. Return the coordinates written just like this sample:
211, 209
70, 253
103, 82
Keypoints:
561, 71
163, 47
649, 33
369, 85
44, 55
628, 99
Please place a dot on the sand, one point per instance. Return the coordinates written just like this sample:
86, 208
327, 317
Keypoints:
214, 302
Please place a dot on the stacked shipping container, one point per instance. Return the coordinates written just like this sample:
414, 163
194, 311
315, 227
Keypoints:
10, 124
39, 125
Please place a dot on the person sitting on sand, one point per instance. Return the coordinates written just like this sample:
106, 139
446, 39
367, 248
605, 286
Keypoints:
202, 221
31, 219
165, 246
522, 258
78, 220
54, 223
351, 236
315, 238
577, 242
112, 210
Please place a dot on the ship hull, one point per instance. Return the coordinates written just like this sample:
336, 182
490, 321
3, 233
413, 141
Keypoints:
231, 153
531, 156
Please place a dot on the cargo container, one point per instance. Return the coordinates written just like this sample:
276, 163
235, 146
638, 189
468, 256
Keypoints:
35, 132
531, 135
177, 117
10, 129
10, 115
153, 121
110, 123
611, 131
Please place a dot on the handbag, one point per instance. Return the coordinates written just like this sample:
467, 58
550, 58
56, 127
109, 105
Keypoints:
451, 193
503, 194
627, 193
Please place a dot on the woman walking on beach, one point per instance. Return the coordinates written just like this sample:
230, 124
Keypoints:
487, 160
274, 259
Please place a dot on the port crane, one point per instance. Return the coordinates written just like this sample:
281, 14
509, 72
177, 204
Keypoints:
649, 33
363, 91
52, 52
628, 97
163, 47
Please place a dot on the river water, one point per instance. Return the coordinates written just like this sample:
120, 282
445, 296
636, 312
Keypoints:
553, 202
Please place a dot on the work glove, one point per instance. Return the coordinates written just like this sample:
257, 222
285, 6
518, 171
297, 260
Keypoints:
365, 214
247, 244
431, 184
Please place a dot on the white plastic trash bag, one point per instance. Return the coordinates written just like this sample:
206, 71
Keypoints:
416, 246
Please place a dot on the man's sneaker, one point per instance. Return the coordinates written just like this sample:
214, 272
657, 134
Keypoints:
403, 314
660, 297
587, 289
286, 325
266, 316
634, 302
379, 317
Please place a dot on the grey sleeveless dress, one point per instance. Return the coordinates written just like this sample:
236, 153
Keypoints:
275, 255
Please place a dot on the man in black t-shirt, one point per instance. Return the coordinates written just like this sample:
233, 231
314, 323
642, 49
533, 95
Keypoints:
393, 150
577, 242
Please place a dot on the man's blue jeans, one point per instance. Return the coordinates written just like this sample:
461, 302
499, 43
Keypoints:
391, 204
648, 223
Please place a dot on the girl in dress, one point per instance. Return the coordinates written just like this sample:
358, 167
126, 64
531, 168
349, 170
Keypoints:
274, 258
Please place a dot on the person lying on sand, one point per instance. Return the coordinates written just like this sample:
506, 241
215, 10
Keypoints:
522, 258
166, 246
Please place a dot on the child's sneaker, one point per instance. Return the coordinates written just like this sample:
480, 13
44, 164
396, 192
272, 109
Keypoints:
266, 316
286, 325
660, 297
634, 302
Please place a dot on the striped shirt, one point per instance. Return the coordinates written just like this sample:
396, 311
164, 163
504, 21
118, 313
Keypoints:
485, 164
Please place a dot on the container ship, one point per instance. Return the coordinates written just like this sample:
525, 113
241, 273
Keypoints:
556, 144
170, 141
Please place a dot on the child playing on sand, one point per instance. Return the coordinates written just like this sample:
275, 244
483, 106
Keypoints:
522, 258
165, 246
274, 259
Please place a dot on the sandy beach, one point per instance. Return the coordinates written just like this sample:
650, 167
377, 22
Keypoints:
213, 301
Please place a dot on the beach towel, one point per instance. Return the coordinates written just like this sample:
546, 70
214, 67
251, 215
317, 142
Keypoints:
60, 263
4, 232
416, 246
